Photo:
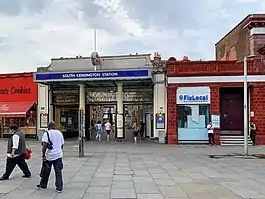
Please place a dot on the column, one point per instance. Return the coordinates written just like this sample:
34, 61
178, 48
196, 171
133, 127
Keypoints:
50, 92
82, 127
155, 108
119, 98
82, 96
82, 105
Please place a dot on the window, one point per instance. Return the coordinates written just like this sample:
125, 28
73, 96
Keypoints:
193, 116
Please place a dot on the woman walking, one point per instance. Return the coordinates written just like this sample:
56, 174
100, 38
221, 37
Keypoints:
135, 128
98, 130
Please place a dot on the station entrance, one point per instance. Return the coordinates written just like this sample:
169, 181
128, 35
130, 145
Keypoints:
101, 105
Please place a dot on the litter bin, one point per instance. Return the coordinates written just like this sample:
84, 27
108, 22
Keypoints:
161, 137
40, 134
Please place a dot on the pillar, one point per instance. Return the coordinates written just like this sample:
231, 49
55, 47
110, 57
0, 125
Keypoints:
160, 99
120, 117
50, 92
82, 96
82, 104
82, 123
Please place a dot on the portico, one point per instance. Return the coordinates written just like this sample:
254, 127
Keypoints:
104, 93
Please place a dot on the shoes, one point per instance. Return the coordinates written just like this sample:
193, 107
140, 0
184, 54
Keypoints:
3, 178
41, 188
26, 176
59, 191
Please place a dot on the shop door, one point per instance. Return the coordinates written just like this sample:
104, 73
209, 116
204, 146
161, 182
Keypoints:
232, 113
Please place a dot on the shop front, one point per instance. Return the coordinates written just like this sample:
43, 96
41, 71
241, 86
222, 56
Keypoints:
203, 91
193, 110
18, 103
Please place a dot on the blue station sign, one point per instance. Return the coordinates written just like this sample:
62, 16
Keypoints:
93, 75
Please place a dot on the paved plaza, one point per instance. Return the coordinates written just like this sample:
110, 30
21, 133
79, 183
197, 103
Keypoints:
144, 171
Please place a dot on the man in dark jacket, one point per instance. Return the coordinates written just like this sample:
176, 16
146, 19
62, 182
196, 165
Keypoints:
16, 148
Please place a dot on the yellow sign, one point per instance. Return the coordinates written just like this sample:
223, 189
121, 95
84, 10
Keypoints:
81, 108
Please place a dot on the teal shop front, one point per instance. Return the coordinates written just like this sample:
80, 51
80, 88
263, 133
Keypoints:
193, 111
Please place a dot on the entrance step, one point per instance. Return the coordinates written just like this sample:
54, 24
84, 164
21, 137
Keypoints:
233, 140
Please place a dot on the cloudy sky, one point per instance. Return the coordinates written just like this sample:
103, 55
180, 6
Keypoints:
34, 31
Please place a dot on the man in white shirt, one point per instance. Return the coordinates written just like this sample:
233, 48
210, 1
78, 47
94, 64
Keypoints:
108, 129
210, 129
52, 153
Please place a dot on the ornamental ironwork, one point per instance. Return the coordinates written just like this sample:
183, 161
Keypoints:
138, 95
95, 96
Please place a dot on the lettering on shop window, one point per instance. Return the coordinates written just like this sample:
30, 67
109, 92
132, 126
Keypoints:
65, 99
15, 90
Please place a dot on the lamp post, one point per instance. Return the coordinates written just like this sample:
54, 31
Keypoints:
246, 126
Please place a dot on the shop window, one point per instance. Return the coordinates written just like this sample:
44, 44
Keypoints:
66, 119
193, 116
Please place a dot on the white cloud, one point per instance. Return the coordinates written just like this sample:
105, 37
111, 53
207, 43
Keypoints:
34, 33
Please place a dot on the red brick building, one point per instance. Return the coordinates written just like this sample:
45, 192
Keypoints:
200, 90
245, 39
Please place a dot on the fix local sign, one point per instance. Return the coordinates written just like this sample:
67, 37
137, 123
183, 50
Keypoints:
193, 95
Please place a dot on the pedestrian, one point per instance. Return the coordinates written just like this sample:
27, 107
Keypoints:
135, 128
108, 129
52, 154
210, 129
16, 149
98, 130
253, 131
142, 125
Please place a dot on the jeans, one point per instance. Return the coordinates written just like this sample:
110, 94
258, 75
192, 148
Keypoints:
58, 167
211, 138
11, 164
253, 137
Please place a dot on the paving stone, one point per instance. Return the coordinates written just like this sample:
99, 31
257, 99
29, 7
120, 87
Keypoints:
172, 191
96, 196
146, 188
98, 190
101, 182
165, 181
122, 185
123, 193
149, 196
122, 177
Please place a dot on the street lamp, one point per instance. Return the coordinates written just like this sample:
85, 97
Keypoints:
246, 125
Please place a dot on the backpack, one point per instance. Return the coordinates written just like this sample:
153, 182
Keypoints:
96, 128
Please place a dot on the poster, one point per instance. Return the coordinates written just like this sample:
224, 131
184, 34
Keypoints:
119, 121
216, 120
160, 121
43, 120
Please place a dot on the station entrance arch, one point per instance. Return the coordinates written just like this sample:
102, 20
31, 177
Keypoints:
118, 100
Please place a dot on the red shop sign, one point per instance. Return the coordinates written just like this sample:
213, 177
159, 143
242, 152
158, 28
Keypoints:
18, 89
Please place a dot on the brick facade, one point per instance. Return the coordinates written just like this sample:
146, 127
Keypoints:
239, 42
216, 68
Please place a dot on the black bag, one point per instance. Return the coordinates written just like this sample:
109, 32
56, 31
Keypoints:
45, 169
49, 144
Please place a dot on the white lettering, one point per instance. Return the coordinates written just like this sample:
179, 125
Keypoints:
91, 75
110, 74
68, 75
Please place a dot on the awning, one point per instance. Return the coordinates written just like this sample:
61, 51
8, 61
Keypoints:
14, 109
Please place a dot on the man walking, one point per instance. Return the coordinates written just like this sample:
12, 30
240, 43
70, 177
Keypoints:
16, 148
108, 129
52, 153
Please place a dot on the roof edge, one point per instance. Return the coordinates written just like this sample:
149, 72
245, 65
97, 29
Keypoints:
240, 23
